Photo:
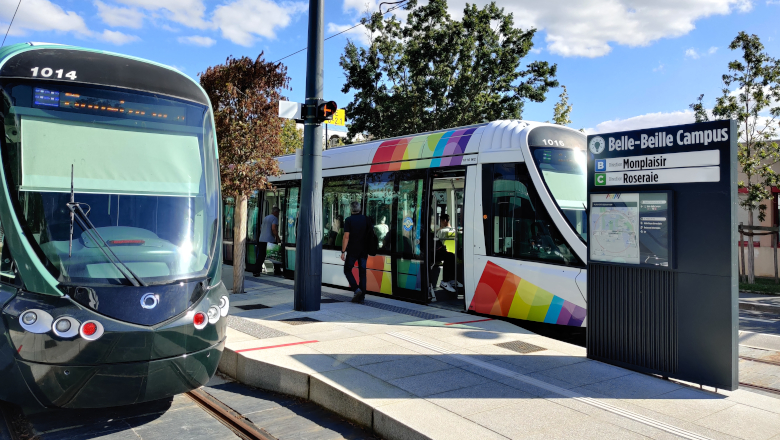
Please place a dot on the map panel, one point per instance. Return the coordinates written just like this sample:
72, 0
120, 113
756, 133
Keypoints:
614, 228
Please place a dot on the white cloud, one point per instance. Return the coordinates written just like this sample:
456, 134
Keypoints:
187, 12
42, 16
648, 120
116, 37
691, 53
119, 17
197, 40
712, 50
244, 20
589, 28
660, 67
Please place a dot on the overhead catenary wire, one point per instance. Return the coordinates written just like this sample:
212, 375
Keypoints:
398, 3
11, 23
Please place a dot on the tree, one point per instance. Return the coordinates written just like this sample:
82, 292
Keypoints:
292, 137
245, 98
753, 103
434, 72
562, 109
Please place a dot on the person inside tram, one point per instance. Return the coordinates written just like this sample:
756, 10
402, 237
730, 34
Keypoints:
381, 229
269, 233
444, 233
336, 233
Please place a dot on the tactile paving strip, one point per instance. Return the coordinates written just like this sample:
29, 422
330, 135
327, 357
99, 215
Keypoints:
265, 280
388, 307
253, 329
520, 347
299, 321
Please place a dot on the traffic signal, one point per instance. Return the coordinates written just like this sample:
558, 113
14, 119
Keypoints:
326, 110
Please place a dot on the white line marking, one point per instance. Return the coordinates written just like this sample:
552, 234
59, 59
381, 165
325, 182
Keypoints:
557, 390
758, 319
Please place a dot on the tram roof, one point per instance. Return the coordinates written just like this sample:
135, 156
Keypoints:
429, 149
97, 67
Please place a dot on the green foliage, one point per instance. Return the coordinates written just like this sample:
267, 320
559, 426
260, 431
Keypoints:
753, 103
245, 98
291, 137
434, 72
562, 109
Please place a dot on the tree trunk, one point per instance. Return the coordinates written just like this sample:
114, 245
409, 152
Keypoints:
751, 270
239, 243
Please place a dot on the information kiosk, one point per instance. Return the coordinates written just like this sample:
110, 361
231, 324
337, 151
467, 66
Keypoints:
662, 259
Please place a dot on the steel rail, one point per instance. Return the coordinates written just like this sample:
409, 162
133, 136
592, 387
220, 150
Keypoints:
234, 421
763, 361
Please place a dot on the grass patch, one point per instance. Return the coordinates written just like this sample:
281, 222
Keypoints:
762, 285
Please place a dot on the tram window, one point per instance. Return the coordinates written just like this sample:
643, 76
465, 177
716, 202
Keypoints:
563, 171
252, 212
379, 207
291, 216
337, 194
521, 227
7, 270
409, 218
228, 209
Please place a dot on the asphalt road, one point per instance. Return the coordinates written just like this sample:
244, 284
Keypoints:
759, 322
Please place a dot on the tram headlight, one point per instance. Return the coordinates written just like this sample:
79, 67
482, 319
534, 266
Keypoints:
213, 314
36, 321
224, 306
29, 318
66, 327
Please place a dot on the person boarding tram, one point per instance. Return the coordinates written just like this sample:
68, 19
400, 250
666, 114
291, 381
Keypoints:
354, 249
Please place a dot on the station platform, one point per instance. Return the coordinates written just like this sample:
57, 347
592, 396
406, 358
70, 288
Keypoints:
410, 371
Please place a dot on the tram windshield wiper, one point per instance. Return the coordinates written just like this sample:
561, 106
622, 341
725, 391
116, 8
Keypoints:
87, 226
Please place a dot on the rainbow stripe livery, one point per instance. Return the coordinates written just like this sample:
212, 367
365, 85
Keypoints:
423, 151
503, 293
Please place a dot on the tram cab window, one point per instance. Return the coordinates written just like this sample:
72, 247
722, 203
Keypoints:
520, 227
337, 194
379, 207
8, 272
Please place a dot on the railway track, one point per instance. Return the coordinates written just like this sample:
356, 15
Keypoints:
234, 421
760, 387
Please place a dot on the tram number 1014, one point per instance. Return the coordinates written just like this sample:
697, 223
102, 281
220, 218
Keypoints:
552, 142
47, 72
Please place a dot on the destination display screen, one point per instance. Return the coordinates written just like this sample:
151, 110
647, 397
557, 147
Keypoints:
52, 98
631, 228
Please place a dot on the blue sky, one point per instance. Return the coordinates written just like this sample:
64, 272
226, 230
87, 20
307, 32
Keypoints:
626, 63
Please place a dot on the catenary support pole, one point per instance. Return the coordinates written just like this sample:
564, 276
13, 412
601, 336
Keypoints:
308, 249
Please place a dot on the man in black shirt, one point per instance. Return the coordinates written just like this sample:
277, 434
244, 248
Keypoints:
354, 248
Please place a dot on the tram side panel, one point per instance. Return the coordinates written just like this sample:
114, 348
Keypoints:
515, 287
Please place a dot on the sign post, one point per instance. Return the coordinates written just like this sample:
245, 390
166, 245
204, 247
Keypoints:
662, 251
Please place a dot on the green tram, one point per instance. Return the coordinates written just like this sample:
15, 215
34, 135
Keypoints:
110, 213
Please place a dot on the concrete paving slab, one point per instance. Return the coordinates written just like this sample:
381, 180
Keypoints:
420, 419
743, 422
404, 367
437, 382
583, 373
478, 398
632, 386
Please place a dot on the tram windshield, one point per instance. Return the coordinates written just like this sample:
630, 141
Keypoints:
141, 167
564, 171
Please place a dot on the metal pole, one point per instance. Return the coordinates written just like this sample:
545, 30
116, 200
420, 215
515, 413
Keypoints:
308, 253
742, 254
774, 251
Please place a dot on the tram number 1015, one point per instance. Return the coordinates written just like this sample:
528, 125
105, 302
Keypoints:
553, 142
47, 72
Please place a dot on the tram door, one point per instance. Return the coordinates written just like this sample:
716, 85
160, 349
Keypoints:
445, 253
409, 234
274, 198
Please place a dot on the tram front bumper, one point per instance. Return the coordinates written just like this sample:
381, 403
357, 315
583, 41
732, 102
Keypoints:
120, 384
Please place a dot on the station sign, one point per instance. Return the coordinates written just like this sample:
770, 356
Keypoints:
662, 251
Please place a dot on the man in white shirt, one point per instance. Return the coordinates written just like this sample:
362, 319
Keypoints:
269, 233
